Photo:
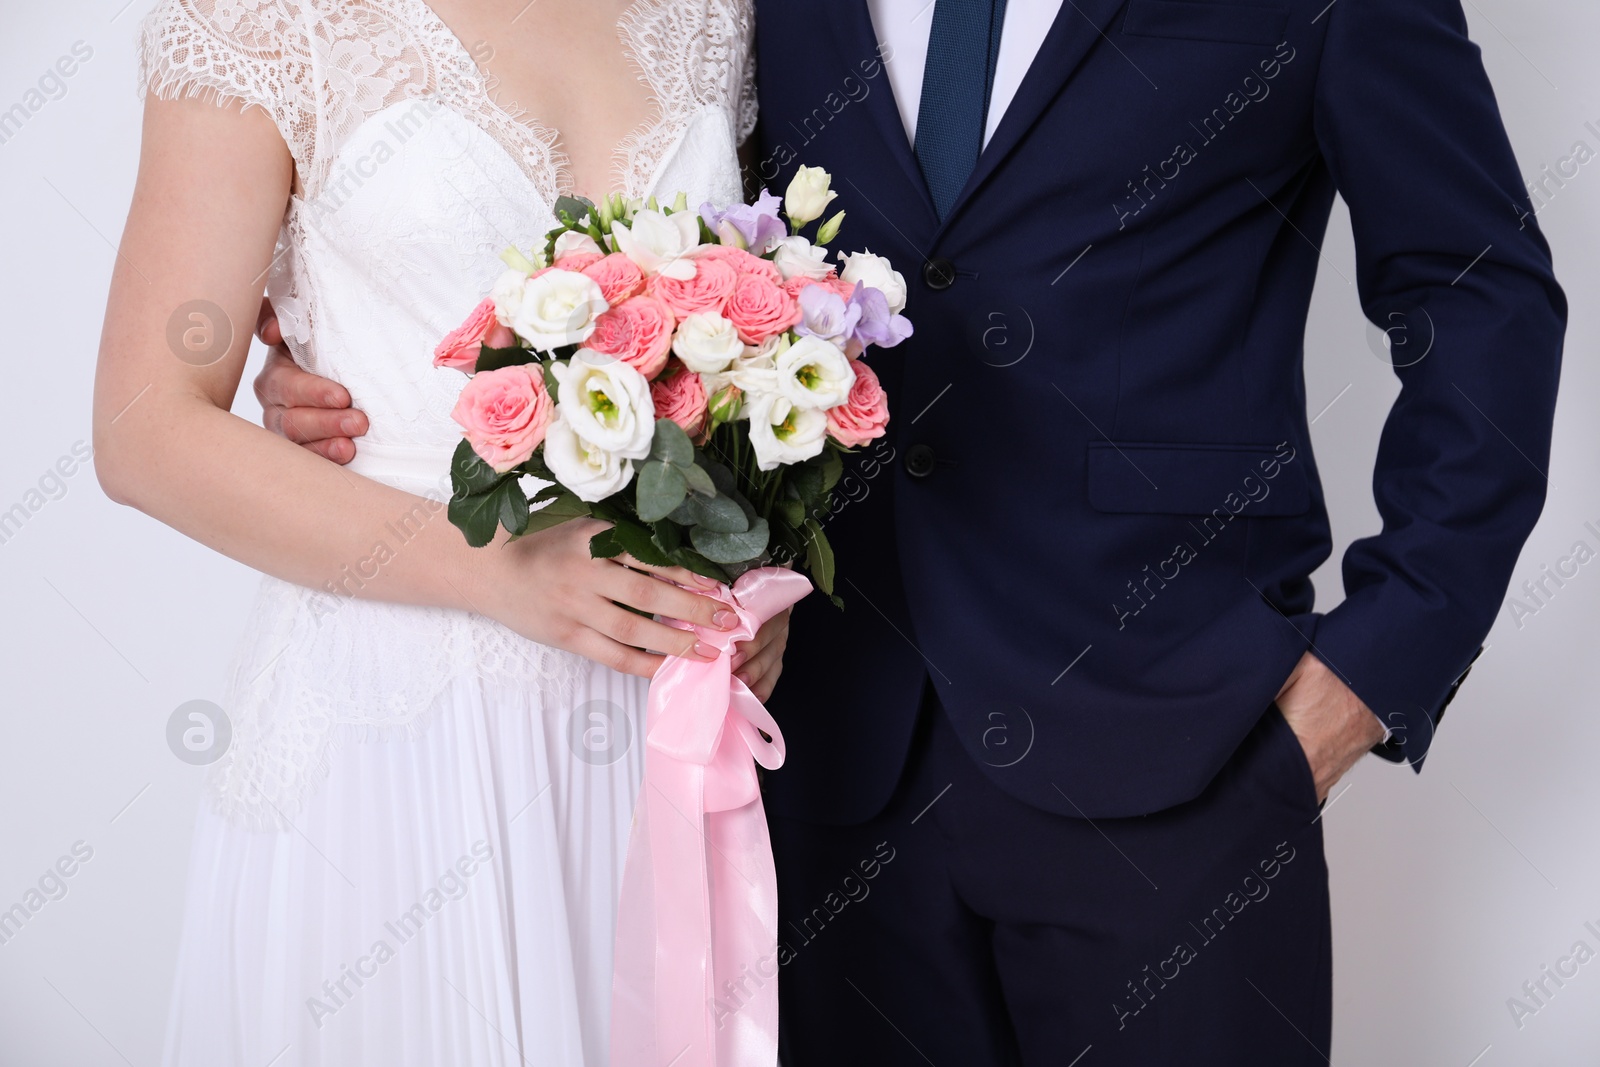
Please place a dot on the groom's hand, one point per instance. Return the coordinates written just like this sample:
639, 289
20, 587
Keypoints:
1334, 727
306, 409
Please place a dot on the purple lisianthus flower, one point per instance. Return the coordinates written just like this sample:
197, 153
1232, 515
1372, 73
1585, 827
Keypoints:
757, 226
875, 325
825, 314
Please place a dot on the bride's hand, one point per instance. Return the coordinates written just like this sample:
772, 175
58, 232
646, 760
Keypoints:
759, 661
548, 588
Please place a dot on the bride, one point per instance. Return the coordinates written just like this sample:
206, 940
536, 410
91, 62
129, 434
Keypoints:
411, 850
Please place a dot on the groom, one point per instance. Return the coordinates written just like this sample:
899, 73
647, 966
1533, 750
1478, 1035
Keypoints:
1054, 775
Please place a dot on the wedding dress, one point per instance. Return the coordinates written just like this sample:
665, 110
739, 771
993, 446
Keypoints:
411, 852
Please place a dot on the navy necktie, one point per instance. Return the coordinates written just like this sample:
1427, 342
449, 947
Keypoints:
963, 47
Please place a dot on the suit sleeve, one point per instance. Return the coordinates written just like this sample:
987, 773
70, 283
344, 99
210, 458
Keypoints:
1451, 262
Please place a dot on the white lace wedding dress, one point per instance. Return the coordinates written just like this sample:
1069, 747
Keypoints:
411, 851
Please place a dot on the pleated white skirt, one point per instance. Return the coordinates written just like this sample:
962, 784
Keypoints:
442, 900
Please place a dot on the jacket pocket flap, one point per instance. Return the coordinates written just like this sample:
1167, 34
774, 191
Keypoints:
1196, 479
1197, 21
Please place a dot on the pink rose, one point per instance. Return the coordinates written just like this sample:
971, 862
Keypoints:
637, 331
504, 414
864, 413
680, 396
459, 349
708, 290
743, 261
617, 276
577, 262
799, 283
759, 309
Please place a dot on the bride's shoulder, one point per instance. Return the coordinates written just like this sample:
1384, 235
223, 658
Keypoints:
248, 51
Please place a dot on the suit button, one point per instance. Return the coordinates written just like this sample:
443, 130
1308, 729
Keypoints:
939, 274
919, 461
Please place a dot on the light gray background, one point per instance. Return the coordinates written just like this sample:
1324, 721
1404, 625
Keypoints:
1450, 889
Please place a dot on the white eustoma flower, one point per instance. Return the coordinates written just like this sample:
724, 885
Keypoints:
576, 241
660, 244
507, 295
783, 434
607, 403
813, 373
707, 342
808, 195
875, 272
590, 472
557, 308
798, 256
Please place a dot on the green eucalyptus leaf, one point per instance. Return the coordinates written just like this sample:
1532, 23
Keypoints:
699, 480
576, 206
719, 514
721, 476
729, 548
661, 488
671, 444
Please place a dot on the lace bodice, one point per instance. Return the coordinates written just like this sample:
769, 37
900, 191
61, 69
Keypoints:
410, 180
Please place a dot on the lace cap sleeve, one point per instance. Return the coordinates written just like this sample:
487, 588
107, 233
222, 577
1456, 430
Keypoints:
747, 96
249, 52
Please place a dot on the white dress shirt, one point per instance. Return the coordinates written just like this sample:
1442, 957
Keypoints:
904, 25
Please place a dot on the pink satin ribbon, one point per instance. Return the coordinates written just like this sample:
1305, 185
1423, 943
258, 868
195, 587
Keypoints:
696, 978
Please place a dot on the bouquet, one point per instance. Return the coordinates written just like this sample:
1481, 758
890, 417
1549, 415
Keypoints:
693, 378
690, 377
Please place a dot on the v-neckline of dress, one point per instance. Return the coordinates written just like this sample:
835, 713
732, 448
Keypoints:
551, 138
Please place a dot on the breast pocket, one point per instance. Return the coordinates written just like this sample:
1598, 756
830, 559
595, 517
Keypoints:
1195, 20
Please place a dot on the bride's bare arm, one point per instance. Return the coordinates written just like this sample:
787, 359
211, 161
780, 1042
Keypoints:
212, 187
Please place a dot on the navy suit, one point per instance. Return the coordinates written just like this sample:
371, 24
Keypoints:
1082, 554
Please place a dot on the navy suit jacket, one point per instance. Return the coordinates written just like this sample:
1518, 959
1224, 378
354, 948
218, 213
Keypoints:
1092, 523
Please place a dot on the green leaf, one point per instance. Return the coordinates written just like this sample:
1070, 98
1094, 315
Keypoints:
689, 559
563, 507
720, 514
699, 480
469, 474
730, 548
635, 540
792, 511
721, 476
661, 488
551, 385
667, 535
575, 206
496, 358
832, 463
819, 557
806, 481
513, 507
477, 516
671, 444
604, 545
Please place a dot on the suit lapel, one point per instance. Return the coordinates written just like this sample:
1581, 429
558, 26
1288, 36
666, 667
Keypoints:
857, 39
1080, 25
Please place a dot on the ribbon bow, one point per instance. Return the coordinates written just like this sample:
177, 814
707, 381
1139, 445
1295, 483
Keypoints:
696, 977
